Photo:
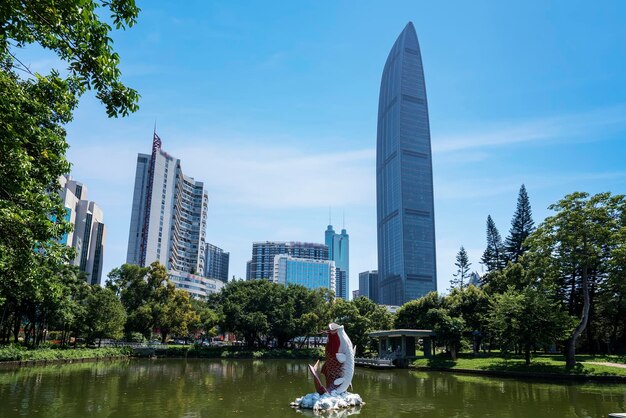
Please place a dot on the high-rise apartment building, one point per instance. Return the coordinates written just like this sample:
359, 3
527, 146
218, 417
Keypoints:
368, 284
310, 273
216, 262
168, 219
262, 264
89, 233
197, 286
339, 251
404, 178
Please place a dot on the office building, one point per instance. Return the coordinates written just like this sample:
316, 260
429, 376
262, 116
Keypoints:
404, 179
168, 219
308, 272
216, 262
89, 233
368, 284
262, 264
339, 251
197, 286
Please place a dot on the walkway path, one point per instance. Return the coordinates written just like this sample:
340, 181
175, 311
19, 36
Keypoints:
606, 363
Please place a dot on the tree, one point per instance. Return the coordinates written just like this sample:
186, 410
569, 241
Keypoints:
522, 225
463, 269
33, 111
493, 257
207, 321
527, 319
152, 300
244, 308
76, 33
573, 249
413, 314
448, 329
172, 311
472, 305
105, 315
360, 317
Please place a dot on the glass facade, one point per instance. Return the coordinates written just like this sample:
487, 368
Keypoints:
262, 264
404, 180
368, 285
310, 273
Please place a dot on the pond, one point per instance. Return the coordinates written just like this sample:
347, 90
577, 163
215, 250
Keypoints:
264, 388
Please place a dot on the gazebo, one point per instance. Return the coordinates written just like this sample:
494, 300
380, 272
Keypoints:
399, 344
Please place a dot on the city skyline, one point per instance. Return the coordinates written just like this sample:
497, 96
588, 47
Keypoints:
488, 106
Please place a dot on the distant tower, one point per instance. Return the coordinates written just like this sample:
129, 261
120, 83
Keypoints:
404, 178
339, 252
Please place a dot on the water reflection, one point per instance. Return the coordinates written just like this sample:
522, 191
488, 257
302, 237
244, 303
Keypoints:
254, 388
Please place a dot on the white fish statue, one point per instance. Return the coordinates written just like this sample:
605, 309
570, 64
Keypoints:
338, 368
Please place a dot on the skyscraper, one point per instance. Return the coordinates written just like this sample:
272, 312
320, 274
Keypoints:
339, 251
216, 262
89, 233
368, 284
404, 179
168, 219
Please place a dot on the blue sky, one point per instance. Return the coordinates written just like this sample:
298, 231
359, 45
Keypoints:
274, 104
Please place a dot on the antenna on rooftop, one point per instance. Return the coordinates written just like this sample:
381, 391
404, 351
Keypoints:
329, 216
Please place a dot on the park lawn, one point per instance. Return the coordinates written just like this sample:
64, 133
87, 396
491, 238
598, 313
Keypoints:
19, 353
539, 364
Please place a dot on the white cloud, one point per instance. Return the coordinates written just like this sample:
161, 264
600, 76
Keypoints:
573, 126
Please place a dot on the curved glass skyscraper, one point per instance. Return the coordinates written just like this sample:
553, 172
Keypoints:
404, 178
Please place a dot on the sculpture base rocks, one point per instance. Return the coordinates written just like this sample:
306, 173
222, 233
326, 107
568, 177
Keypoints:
328, 401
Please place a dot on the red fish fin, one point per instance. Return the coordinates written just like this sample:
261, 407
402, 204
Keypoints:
316, 380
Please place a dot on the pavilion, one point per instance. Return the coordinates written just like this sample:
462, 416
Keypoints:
398, 345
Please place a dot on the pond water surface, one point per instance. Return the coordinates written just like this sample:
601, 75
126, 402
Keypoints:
264, 388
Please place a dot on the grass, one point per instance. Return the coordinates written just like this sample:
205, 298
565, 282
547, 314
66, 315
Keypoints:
19, 353
540, 364
237, 352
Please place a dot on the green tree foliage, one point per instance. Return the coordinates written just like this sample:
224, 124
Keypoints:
413, 314
261, 311
33, 111
104, 314
448, 329
360, 317
75, 32
172, 311
461, 277
522, 225
472, 305
494, 257
576, 249
152, 301
206, 324
499, 281
527, 319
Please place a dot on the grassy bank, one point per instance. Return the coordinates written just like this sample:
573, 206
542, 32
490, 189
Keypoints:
239, 352
542, 364
19, 353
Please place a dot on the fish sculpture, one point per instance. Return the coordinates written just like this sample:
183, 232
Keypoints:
338, 368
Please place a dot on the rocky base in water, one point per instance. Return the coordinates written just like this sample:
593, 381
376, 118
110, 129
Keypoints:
328, 401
